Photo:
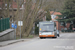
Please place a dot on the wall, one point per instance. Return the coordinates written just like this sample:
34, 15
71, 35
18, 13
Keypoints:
7, 35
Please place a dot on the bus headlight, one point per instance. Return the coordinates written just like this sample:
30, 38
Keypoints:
52, 33
40, 34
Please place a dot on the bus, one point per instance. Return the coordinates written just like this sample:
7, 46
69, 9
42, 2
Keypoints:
47, 29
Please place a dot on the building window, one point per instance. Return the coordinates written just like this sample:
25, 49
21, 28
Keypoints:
0, 0
5, 4
14, 0
62, 23
62, 29
65, 28
66, 24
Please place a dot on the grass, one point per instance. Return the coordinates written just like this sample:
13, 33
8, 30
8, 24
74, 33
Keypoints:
17, 37
29, 37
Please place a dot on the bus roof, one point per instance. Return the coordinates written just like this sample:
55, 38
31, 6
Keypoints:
46, 22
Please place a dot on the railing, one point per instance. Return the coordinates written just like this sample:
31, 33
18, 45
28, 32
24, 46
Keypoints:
4, 24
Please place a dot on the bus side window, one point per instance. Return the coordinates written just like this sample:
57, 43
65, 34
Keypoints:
54, 24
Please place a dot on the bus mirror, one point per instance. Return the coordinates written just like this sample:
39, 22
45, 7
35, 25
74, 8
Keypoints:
55, 29
37, 25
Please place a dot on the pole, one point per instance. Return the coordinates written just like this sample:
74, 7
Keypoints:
15, 29
20, 29
15, 33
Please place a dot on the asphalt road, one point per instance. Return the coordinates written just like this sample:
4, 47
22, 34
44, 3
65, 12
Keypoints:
66, 41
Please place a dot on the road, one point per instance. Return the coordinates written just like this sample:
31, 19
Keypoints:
66, 41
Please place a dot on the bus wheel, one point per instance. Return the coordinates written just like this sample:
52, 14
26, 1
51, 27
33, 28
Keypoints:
41, 38
55, 37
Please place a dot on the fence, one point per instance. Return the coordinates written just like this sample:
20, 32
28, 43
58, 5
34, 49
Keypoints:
4, 24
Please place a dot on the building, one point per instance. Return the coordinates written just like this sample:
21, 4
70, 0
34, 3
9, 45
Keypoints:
59, 25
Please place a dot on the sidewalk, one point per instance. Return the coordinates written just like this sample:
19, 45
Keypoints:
4, 43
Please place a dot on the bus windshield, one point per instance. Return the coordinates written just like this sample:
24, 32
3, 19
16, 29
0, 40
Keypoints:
47, 27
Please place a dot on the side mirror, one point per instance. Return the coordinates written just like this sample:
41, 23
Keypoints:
55, 29
37, 25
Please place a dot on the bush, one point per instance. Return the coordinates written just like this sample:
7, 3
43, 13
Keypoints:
36, 30
67, 30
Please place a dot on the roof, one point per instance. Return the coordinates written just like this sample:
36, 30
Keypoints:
54, 13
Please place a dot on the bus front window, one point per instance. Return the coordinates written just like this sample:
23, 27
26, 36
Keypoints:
47, 27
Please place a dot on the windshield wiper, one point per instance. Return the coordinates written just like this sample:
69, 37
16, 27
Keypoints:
46, 31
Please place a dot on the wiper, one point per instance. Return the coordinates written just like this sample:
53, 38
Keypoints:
45, 31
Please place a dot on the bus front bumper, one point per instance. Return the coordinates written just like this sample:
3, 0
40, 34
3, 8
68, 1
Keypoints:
46, 36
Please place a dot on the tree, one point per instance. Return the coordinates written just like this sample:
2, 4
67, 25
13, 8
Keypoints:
29, 13
48, 16
68, 12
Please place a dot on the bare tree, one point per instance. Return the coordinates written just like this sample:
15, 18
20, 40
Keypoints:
30, 13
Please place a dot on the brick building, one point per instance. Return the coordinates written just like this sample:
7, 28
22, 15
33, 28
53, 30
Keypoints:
59, 25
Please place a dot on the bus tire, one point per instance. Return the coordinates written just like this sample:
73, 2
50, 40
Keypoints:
41, 37
55, 37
